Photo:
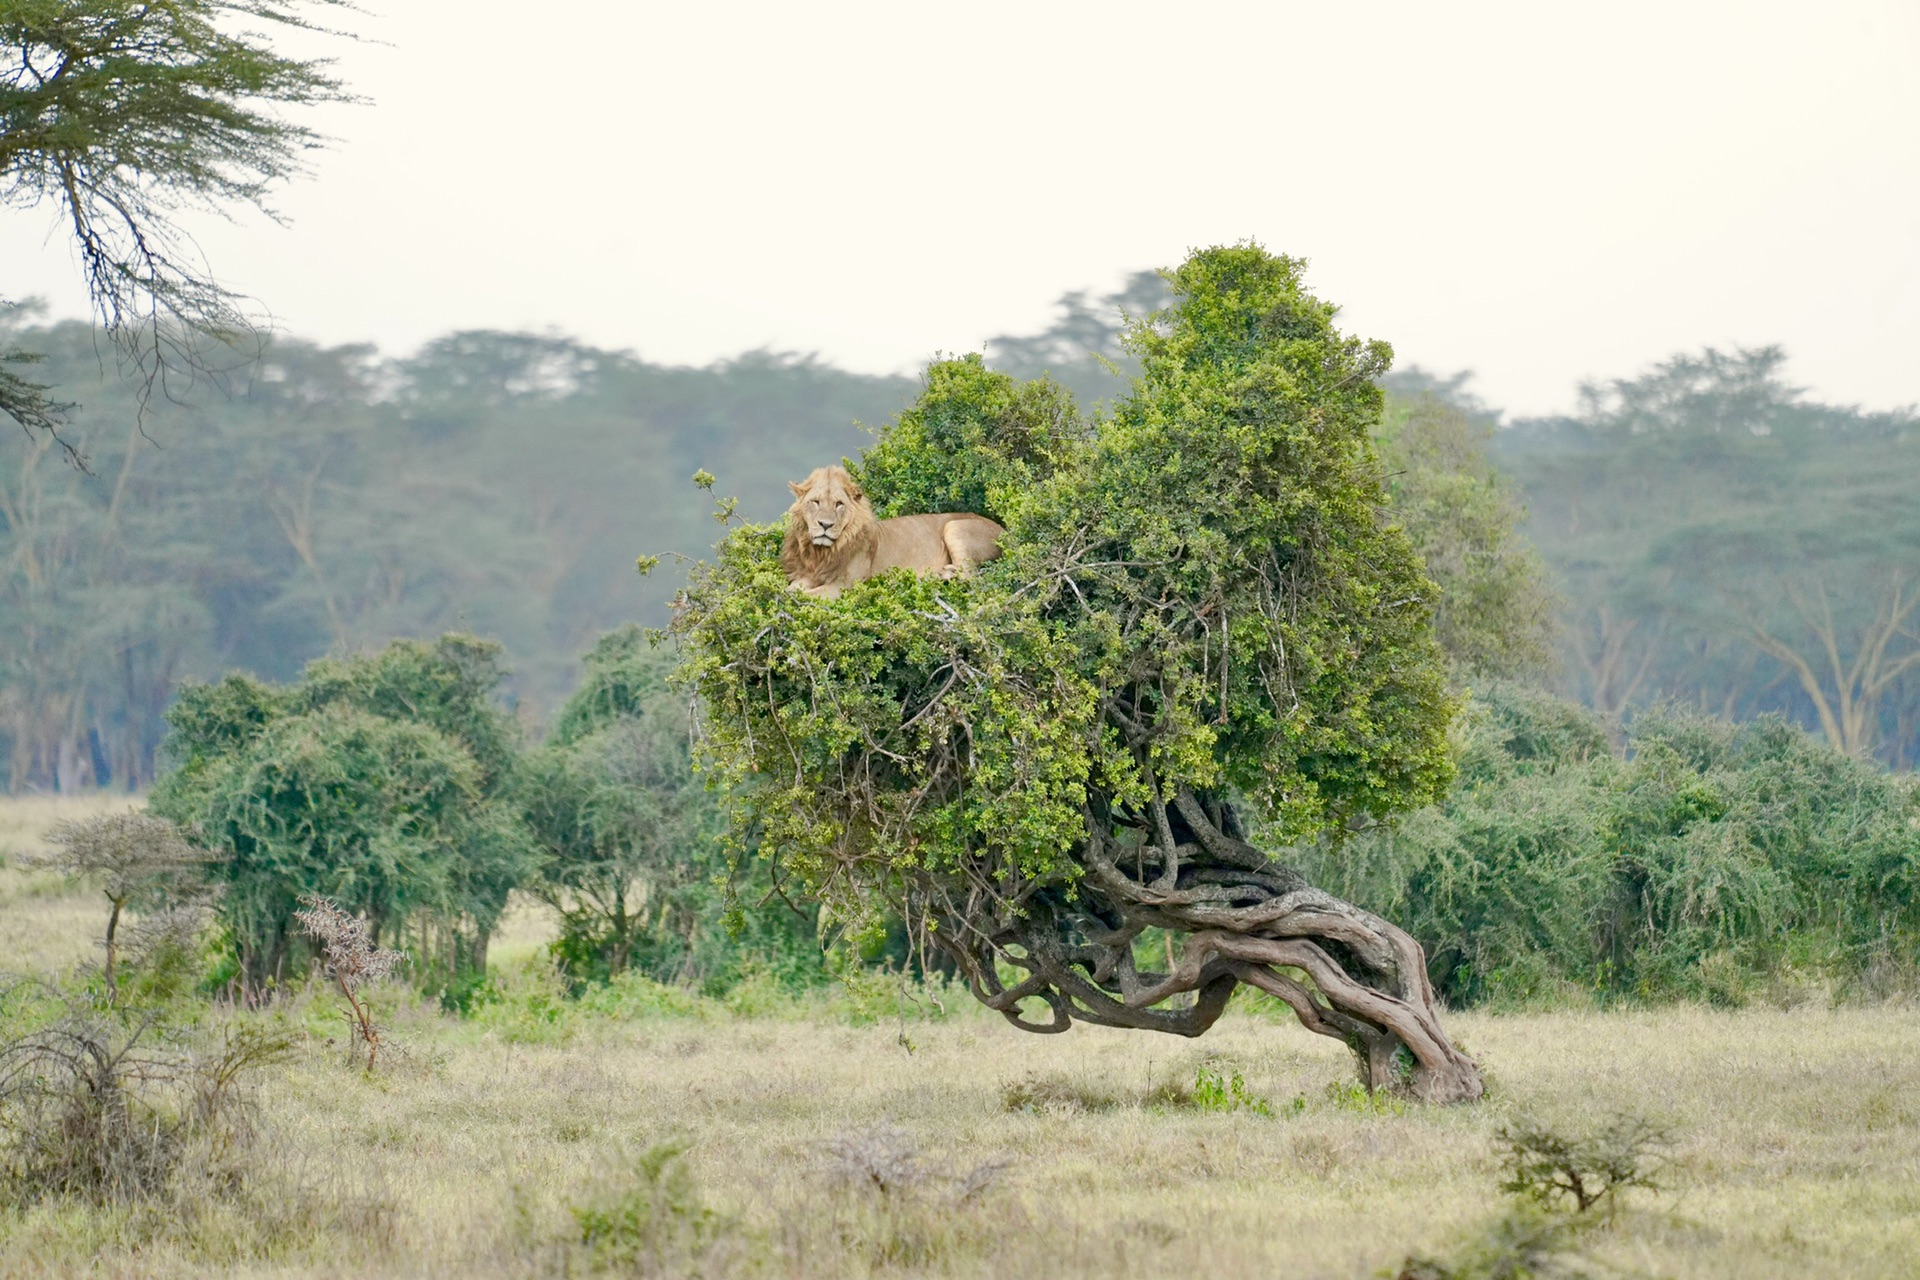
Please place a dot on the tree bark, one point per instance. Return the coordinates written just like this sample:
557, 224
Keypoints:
1344, 971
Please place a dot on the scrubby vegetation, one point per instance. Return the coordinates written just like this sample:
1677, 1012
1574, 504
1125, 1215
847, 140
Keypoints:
381, 783
1714, 861
536, 1136
1266, 641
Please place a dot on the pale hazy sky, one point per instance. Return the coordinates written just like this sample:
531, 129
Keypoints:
1538, 192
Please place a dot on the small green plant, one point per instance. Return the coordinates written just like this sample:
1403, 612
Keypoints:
1527, 1243
1351, 1095
655, 1224
1567, 1183
1217, 1089
1584, 1170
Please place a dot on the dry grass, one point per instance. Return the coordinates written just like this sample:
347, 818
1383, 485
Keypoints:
473, 1155
48, 922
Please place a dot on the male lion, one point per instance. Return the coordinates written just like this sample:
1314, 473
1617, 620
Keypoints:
834, 541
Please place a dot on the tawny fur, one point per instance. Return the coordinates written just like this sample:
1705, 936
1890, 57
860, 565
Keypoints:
833, 539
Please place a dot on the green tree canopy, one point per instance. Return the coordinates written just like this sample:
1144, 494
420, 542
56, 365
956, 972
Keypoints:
1713, 861
1202, 608
628, 837
126, 112
379, 782
1495, 610
1725, 539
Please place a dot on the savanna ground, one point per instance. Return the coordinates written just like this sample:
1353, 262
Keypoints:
835, 1136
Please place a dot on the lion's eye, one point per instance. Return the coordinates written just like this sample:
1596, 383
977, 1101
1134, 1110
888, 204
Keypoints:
840, 506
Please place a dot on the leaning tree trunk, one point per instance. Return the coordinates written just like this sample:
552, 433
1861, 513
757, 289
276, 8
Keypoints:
1185, 868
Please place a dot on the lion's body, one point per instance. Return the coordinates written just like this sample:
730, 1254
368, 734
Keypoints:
833, 539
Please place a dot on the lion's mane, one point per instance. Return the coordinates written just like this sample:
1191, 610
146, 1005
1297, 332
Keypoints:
805, 562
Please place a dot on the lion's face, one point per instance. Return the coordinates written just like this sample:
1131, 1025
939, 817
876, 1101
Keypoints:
827, 504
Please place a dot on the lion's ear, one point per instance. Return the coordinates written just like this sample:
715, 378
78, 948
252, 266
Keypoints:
856, 493
797, 487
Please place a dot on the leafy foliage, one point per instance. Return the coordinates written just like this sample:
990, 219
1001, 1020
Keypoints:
1724, 539
125, 113
380, 783
1209, 561
1494, 612
1713, 860
1586, 1170
629, 837
335, 501
1199, 604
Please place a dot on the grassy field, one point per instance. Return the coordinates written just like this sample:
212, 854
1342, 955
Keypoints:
492, 1146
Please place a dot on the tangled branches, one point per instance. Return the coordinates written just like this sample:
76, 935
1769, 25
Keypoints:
114, 1110
1345, 972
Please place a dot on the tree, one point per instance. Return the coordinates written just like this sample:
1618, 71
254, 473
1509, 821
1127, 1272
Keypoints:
1723, 539
143, 863
333, 500
1711, 862
628, 836
1084, 348
1494, 613
124, 113
1202, 617
380, 783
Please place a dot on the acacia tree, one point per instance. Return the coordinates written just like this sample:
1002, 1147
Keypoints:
1203, 619
123, 113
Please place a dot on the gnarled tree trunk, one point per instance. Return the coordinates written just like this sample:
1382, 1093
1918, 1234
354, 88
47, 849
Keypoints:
1185, 867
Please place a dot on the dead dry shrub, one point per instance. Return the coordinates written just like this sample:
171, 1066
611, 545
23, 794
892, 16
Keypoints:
1043, 1095
352, 961
891, 1205
886, 1161
115, 1110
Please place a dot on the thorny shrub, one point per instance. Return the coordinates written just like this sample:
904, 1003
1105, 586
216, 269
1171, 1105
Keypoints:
1587, 1170
895, 1206
111, 1110
143, 864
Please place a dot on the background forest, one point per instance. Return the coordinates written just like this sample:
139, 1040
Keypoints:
1715, 537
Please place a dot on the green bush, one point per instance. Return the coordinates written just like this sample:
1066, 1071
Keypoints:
377, 782
629, 841
1711, 857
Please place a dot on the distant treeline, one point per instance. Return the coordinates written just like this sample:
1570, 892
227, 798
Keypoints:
327, 500
1717, 538
1724, 542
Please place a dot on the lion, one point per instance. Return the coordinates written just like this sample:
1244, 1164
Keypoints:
834, 541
